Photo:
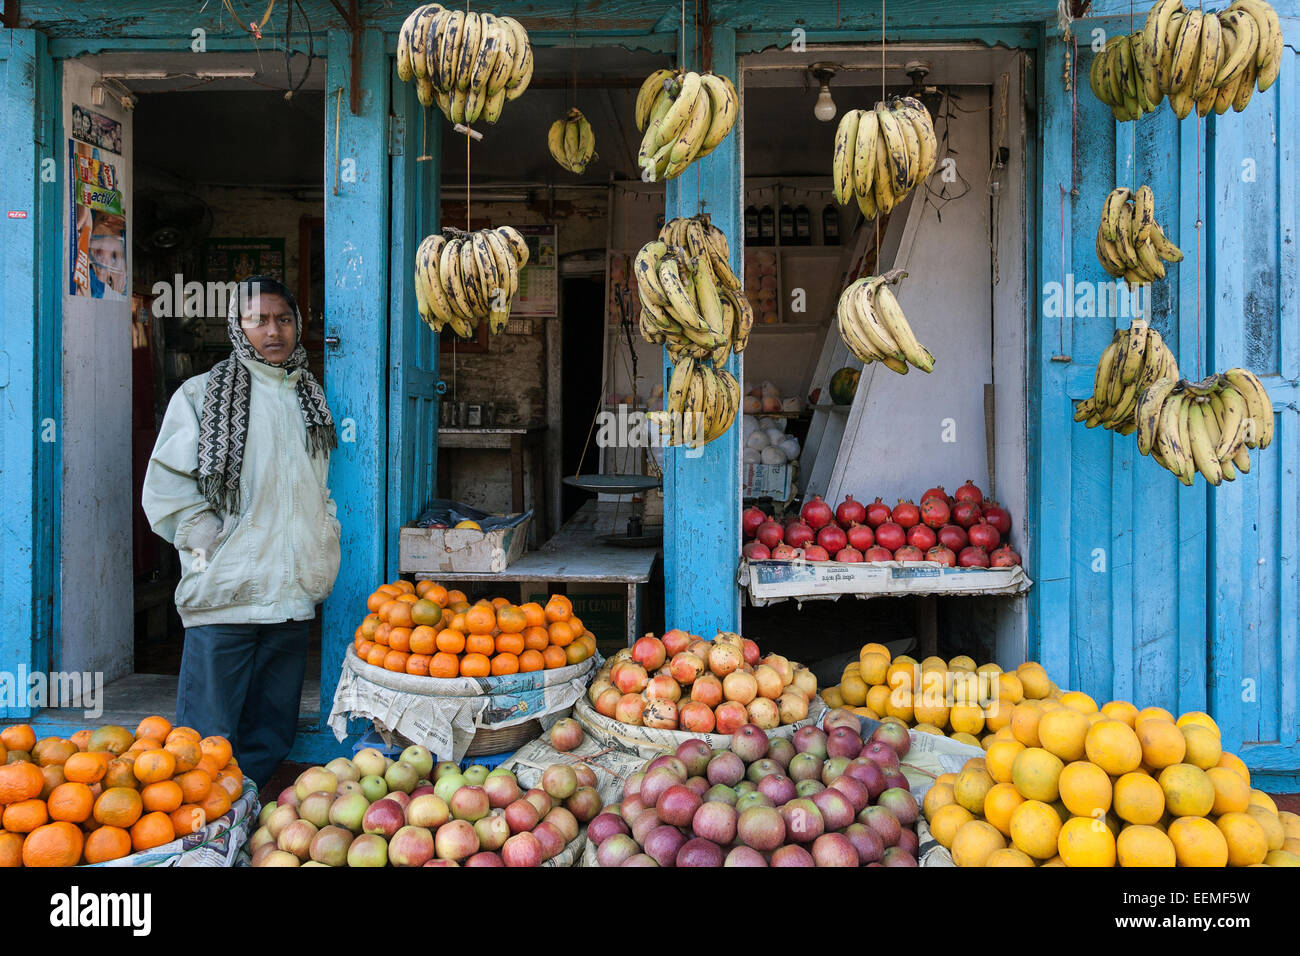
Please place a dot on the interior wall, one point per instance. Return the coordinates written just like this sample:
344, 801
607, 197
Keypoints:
96, 626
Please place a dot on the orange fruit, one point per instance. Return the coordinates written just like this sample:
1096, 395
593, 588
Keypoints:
480, 619
188, 818
561, 634
558, 608
536, 638
498, 603
186, 752
576, 625
53, 776
82, 737
425, 611
25, 816
510, 643
407, 598
155, 726
554, 657
534, 614
422, 588
505, 663
165, 795
86, 767
154, 765
399, 614
20, 781
405, 586
399, 639
143, 744
456, 596
11, 849
194, 785
107, 843
396, 661
209, 766
55, 752
18, 737
189, 732
511, 620
438, 594
118, 807
120, 773
531, 660
417, 665
382, 632
363, 649
151, 830
480, 644
55, 844
231, 779
450, 640
70, 801
444, 665
475, 665
216, 803
424, 640
381, 596
368, 625
377, 655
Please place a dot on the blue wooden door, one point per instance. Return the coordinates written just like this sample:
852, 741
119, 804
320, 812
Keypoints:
413, 348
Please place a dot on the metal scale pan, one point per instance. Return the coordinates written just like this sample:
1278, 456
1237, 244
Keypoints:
622, 485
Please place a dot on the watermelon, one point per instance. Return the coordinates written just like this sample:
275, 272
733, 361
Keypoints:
844, 384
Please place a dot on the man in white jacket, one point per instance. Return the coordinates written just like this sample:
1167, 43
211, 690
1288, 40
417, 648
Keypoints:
237, 483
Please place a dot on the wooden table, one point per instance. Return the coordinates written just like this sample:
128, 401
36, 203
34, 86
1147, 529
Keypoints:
516, 441
576, 555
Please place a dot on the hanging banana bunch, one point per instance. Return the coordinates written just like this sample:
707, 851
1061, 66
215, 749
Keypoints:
881, 154
684, 116
467, 277
1202, 60
571, 141
700, 404
1207, 426
1135, 360
470, 64
1130, 243
874, 328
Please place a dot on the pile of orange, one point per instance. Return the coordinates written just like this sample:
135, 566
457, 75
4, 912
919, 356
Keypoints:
428, 631
106, 792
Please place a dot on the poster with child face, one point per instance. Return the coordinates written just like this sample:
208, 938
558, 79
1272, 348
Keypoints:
97, 258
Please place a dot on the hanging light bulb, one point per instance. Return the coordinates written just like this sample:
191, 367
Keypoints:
825, 108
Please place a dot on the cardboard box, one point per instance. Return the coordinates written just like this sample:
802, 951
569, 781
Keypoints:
435, 550
768, 481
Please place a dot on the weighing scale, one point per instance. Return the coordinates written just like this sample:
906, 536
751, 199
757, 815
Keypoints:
638, 535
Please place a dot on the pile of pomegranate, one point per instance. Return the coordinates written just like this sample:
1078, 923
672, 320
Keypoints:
681, 681
825, 798
963, 530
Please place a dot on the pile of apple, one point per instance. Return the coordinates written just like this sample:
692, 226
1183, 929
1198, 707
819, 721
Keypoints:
681, 681
963, 530
372, 811
825, 798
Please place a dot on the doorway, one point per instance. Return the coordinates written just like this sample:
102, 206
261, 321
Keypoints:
219, 176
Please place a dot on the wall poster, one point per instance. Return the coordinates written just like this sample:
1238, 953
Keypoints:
97, 257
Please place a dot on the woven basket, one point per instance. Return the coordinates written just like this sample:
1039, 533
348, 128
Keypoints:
505, 739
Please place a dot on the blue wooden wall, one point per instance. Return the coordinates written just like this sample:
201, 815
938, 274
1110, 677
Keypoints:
1180, 597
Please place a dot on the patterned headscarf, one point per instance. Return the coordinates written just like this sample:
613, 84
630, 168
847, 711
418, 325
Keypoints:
223, 425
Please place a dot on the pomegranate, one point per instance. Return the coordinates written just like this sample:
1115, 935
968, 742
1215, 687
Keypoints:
997, 516
849, 555
877, 553
953, 537
891, 536
877, 513
832, 538
860, 536
905, 514
909, 553
783, 552
1004, 557
936, 492
941, 555
922, 536
756, 551
815, 552
750, 519
969, 492
770, 534
965, 513
973, 557
799, 535
816, 513
850, 512
984, 535
935, 512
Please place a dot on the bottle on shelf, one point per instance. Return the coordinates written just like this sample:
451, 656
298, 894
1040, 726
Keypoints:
751, 225
830, 226
802, 226
766, 226
787, 225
